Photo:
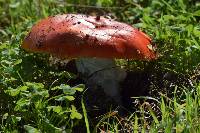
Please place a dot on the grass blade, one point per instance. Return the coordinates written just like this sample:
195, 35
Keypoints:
85, 114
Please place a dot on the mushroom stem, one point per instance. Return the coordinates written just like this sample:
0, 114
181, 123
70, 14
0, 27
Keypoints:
103, 73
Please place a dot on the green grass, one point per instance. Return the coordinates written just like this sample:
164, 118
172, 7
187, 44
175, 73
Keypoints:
35, 96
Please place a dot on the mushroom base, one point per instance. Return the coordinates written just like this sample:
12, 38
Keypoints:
102, 73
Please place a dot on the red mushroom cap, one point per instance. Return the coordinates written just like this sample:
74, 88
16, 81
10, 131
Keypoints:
72, 36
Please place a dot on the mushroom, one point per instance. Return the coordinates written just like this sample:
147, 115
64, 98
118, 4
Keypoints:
96, 42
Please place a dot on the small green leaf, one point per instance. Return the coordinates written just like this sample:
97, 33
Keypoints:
14, 5
168, 17
5, 116
4, 63
50, 128
12, 92
196, 13
67, 89
62, 98
31, 129
56, 109
196, 32
43, 93
56, 88
79, 87
21, 104
70, 98
3, 46
17, 62
50, 108
18, 118
22, 88
15, 119
74, 113
35, 86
